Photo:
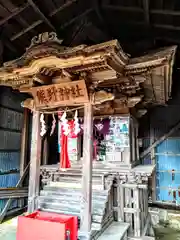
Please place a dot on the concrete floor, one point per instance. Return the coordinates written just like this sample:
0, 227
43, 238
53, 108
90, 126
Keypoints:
8, 230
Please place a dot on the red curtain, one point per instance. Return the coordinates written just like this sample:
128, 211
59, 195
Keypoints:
64, 158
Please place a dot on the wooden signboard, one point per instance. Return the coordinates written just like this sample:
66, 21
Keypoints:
62, 94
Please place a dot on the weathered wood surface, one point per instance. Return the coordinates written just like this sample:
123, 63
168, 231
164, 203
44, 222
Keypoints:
35, 160
86, 202
6, 193
24, 145
63, 199
116, 231
134, 207
24, 141
62, 94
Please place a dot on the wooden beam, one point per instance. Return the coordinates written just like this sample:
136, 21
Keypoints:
164, 12
37, 23
35, 161
78, 33
39, 12
86, 213
45, 147
62, 7
122, 8
13, 14
26, 30
146, 11
168, 39
96, 7
167, 27
160, 140
24, 141
75, 18
95, 34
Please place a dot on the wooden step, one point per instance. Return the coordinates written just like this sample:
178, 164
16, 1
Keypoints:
73, 205
116, 231
57, 190
148, 238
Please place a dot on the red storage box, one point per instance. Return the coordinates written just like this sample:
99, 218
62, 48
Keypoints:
47, 226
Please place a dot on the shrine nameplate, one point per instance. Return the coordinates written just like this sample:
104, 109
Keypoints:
62, 94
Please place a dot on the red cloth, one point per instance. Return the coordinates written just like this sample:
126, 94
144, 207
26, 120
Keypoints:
95, 149
64, 159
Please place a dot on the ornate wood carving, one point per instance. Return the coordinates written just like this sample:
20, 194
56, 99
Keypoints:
101, 96
106, 65
44, 38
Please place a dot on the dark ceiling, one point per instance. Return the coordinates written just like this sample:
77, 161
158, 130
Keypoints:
139, 25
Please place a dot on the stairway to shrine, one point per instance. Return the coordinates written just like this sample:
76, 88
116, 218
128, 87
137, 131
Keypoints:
63, 195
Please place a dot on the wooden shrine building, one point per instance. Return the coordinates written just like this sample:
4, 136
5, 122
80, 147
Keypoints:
107, 189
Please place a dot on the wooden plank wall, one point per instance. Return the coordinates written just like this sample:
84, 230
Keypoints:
11, 122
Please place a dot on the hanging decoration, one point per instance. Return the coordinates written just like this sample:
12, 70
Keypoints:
53, 125
43, 126
64, 158
99, 126
76, 124
65, 125
59, 131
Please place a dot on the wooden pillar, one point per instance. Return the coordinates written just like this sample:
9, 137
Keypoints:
24, 141
121, 203
45, 153
24, 147
137, 224
35, 160
153, 162
86, 213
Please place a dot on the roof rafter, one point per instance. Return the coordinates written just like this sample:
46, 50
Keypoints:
165, 12
145, 8
43, 17
96, 34
122, 8
31, 27
167, 27
13, 14
76, 18
146, 11
65, 5
35, 24
96, 6
78, 32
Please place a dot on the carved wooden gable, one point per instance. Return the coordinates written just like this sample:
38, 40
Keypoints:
104, 66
